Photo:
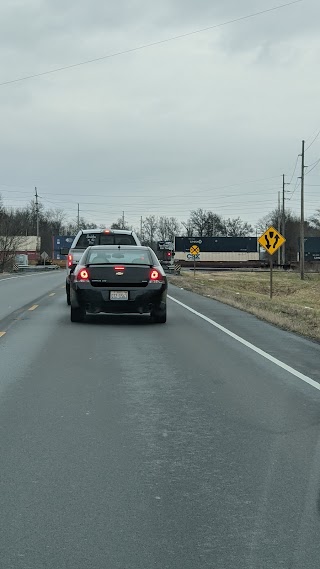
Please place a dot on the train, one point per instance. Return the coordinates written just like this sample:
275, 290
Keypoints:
223, 252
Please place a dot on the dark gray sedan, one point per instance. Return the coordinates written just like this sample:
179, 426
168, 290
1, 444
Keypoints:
119, 280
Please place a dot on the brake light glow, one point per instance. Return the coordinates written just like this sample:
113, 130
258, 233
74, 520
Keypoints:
154, 276
83, 276
70, 261
118, 268
107, 231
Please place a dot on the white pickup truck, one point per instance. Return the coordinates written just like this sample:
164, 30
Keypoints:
87, 237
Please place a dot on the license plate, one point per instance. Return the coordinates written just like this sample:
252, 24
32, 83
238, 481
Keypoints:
119, 295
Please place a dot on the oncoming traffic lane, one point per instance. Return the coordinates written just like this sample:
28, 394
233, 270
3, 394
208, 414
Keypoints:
16, 292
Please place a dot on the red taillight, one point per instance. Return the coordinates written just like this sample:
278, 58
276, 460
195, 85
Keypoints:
156, 277
107, 231
70, 260
119, 268
83, 276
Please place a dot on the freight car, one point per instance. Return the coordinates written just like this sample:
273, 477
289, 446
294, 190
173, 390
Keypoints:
224, 252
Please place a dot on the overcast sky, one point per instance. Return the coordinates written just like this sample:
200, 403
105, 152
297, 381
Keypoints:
185, 124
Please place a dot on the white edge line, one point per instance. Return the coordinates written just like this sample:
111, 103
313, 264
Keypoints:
262, 353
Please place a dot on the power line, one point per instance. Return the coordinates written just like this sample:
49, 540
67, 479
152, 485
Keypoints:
214, 201
110, 213
294, 170
314, 165
172, 197
138, 210
296, 163
197, 191
152, 44
296, 186
311, 143
228, 199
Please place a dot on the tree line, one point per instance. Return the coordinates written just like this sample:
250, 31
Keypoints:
201, 223
15, 223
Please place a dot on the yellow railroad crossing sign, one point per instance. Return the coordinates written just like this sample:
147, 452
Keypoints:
271, 240
194, 250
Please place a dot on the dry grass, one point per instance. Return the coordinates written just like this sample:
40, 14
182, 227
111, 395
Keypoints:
295, 305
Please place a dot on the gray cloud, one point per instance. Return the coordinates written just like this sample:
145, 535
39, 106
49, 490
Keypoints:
155, 130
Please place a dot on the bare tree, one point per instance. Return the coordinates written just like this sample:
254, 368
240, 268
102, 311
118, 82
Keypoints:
121, 224
315, 220
199, 221
168, 228
22, 222
56, 218
203, 223
188, 229
72, 227
9, 240
237, 228
174, 228
163, 228
214, 226
150, 227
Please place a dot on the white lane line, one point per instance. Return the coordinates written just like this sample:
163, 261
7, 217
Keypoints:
262, 353
24, 276
33, 307
40, 274
2, 334
52, 294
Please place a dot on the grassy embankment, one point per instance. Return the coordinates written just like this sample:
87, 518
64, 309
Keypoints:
295, 305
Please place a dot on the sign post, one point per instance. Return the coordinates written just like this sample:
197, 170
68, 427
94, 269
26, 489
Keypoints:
271, 277
194, 250
44, 257
271, 240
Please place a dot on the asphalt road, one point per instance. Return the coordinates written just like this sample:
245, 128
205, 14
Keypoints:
130, 445
16, 291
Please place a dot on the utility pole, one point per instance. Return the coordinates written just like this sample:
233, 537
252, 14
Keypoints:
279, 228
141, 228
37, 218
123, 220
302, 215
283, 220
78, 217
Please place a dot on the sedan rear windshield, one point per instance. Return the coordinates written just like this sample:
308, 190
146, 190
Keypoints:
87, 239
126, 256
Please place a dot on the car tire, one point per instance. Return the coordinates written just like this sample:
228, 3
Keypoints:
68, 294
159, 316
77, 314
